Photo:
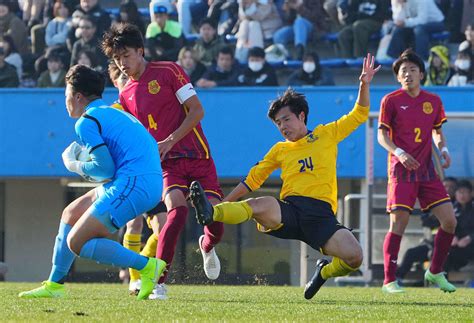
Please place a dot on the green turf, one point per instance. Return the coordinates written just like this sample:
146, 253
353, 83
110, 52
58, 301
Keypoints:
106, 303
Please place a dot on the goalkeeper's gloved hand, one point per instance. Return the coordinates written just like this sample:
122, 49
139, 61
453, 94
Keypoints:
69, 156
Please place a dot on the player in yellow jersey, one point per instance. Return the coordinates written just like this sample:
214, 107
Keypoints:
156, 218
308, 198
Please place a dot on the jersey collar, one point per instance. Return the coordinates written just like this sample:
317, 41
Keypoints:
97, 103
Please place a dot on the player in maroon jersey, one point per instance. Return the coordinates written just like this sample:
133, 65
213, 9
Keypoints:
161, 96
410, 118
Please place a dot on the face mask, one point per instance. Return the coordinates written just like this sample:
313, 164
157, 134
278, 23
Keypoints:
255, 66
462, 64
309, 67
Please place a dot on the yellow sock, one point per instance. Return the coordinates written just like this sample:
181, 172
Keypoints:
150, 247
134, 243
336, 268
233, 212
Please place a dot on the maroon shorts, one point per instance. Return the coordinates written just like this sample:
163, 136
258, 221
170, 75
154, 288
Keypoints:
402, 195
178, 173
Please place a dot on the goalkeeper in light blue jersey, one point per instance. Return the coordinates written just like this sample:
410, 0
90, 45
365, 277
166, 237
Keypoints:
122, 151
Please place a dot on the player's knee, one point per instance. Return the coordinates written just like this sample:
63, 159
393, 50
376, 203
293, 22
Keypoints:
356, 258
74, 244
449, 225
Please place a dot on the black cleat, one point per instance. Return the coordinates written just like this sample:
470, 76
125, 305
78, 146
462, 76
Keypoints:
315, 283
204, 209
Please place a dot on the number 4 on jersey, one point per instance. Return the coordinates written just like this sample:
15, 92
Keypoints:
151, 123
306, 163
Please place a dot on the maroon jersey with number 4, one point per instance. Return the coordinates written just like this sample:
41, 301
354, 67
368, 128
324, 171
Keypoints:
157, 100
410, 122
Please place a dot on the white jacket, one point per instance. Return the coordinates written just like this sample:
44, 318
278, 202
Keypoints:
416, 12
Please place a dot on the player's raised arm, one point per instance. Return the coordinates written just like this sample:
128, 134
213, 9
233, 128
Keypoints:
343, 127
368, 72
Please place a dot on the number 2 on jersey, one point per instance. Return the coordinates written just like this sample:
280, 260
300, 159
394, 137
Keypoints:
151, 123
306, 163
417, 134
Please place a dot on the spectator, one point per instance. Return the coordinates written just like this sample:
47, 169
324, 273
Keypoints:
422, 252
183, 7
164, 38
225, 13
458, 16
74, 30
32, 10
463, 67
415, 22
223, 73
58, 28
302, 18
208, 44
462, 247
259, 19
88, 42
187, 59
128, 13
11, 55
8, 75
88, 59
439, 72
55, 75
258, 72
91, 8
468, 47
311, 73
364, 18
11, 25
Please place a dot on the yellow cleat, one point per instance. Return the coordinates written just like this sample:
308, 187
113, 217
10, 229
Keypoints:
48, 289
149, 276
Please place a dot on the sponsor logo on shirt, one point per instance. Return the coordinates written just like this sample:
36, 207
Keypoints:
154, 87
311, 138
427, 107
404, 107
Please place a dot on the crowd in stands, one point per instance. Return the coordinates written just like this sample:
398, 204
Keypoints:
239, 42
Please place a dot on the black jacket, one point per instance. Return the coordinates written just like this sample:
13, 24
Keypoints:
265, 77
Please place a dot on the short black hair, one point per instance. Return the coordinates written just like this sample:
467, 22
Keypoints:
256, 52
86, 81
226, 50
450, 179
93, 20
408, 55
464, 184
209, 21
292, 99
120, 36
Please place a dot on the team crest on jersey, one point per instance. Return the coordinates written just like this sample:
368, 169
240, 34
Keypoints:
427, 107
154, 87
311, 138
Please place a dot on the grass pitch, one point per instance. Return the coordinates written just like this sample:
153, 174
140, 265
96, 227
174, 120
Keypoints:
110, 302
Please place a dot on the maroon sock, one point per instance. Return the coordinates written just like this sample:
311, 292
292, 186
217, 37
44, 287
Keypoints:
391, 246
442, 244
212, 235
168, 237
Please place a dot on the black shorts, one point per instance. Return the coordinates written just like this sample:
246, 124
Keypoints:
160, 208
306, 219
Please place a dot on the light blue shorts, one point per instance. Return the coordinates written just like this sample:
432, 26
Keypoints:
125, 198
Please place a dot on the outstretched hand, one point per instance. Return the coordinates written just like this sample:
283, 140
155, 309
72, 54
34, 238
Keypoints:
368, 69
